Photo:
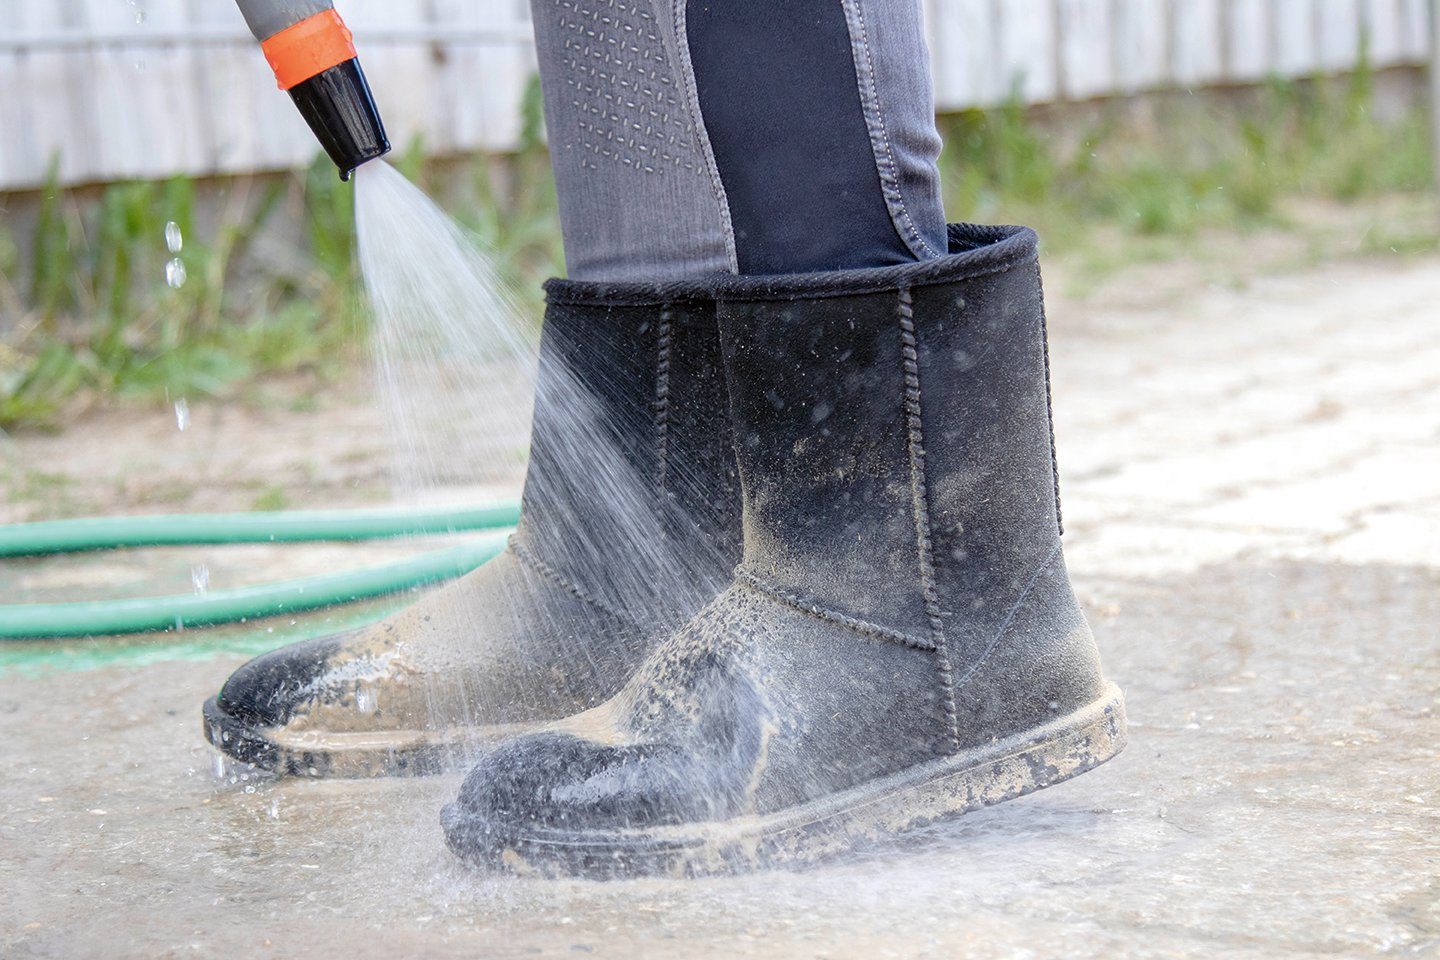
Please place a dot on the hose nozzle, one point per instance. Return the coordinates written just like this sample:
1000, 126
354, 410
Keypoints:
313, 56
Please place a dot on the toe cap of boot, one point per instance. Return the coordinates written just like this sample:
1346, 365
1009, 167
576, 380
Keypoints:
558, 781
267, 690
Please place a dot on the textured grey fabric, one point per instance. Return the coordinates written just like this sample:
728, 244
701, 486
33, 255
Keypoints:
641, 198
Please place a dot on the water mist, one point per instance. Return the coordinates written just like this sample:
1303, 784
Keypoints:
457, 365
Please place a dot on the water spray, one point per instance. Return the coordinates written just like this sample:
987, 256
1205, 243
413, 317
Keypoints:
313, 55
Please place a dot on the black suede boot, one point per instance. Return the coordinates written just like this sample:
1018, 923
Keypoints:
901, 643
630, 523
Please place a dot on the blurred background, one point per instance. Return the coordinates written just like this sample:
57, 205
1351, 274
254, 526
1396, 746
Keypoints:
1123, 129
1241, 237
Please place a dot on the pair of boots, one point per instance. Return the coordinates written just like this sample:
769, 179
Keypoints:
898, 644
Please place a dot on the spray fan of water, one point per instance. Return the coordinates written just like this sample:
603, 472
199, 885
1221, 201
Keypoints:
458, 370
455, 357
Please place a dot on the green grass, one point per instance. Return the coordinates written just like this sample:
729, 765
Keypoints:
95, 315
94, 318
1184, 164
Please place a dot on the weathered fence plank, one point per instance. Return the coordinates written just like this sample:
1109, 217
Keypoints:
963, 37
1086, 34
1197, 44
1249, 47
1294, 37
1381, 24
186, 91
1415, 15
1142, 45
1339, 34
1028, 62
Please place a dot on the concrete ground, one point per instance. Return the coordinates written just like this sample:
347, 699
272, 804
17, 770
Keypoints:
1252, 493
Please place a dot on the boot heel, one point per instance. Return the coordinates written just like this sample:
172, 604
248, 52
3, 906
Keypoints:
953, 786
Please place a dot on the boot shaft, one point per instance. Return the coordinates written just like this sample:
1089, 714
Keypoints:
894, 443
628, 449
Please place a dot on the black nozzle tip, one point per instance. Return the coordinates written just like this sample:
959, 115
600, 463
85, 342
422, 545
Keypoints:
340, 109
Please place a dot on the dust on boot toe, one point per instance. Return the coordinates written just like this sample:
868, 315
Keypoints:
267, 690
489, 654
901, 642
629, 524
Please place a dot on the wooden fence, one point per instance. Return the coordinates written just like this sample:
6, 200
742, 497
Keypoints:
147, 88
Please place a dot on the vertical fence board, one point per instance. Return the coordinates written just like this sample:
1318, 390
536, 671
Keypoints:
461, 105
1197, 42
1141, 47
115, 84
1027, 50
1295, 53
1339, 40
1086, 34
53, 118
15, 151
1247, 28
1416, 17
963, 42
454, 71
500, 73
226, 84
1381, 23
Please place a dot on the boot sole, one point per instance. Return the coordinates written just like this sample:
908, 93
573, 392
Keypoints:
861, 816
400, 753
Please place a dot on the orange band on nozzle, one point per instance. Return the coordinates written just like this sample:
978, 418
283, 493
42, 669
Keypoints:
309, 48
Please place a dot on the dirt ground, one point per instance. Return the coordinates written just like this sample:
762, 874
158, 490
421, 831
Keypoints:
1251, 475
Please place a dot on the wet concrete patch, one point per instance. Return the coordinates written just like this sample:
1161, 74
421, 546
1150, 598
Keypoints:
1280, 797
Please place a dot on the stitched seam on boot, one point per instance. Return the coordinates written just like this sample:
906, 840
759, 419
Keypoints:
920, 501
524, 555
807, 606
1009, 617
662, 401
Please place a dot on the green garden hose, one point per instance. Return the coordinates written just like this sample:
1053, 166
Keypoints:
106, 533
143, 614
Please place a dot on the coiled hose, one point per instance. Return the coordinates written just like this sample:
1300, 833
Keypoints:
147, 614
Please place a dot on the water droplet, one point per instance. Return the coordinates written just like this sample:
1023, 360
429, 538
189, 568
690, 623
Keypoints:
174, 239
137, 8
182, 414
175, 273
200, 577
